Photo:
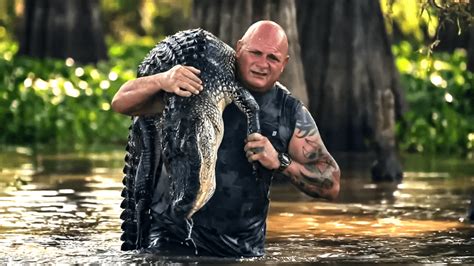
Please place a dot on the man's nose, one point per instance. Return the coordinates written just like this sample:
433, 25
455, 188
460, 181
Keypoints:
261, 62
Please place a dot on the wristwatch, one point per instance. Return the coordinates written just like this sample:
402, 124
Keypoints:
285, 161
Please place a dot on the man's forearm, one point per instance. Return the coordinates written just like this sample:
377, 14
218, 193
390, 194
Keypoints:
141, 96
319, 178
136, 96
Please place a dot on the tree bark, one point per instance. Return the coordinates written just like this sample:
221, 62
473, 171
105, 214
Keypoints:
470, 50
229, 19
347, 58
62, 29
353, 85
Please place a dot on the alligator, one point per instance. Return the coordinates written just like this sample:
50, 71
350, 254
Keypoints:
185, 137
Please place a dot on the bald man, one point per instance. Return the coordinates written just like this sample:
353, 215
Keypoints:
233, 222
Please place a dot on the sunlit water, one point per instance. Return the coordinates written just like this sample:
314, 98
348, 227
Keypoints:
65, 209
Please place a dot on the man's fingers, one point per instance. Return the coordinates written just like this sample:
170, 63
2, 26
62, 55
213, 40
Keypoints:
193, 69
254, 137
249, 153
191, 73
184, 77
182, 93
252, 145
190, 86
253, 158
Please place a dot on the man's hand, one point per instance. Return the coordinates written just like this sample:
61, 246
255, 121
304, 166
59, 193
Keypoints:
181, 80
142, 95
259, 148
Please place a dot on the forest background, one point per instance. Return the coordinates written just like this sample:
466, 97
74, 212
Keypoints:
60, 98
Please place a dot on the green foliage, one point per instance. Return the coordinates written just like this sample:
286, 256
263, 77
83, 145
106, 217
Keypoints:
407, 17
124, 19
440, 92
60, 102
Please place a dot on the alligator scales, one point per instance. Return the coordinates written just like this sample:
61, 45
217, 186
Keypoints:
186, 136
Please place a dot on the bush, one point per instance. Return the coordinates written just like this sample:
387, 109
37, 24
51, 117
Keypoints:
440, 93
53, 101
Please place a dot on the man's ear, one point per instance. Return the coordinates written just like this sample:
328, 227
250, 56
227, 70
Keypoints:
285, 62
238, 46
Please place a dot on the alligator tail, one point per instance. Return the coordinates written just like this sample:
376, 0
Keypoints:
142, 163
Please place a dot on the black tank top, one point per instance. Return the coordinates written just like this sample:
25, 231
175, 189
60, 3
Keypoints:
233, 222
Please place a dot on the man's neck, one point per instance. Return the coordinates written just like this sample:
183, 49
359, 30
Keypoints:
260, 91
262, 96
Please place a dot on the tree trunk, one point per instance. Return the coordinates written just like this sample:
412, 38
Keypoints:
470, 50
347, 58
229, 19
62, 29
353, 85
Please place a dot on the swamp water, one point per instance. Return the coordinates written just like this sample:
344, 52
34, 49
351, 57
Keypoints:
64, 209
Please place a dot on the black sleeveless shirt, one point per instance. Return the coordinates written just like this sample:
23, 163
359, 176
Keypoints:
233, 222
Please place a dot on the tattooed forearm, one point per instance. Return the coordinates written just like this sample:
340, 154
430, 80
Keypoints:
323, 182
314, 181
316, 173
310, 167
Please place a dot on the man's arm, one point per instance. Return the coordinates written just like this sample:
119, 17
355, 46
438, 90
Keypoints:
142, 95
312, 170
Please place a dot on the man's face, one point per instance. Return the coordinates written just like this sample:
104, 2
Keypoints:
261, 60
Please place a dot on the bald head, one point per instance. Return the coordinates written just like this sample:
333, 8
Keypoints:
262, 55
267, 30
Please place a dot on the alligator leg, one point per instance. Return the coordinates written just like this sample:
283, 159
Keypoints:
247, 104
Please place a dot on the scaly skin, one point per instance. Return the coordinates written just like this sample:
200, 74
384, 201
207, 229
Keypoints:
141, 165
192, 130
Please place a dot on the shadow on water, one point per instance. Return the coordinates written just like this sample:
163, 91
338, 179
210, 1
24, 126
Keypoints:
65, 208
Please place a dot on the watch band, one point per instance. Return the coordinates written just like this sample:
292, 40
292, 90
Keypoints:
285, 161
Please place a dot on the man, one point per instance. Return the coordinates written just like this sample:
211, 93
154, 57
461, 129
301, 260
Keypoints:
233, 222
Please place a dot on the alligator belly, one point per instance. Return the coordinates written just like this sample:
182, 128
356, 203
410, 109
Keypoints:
190, 145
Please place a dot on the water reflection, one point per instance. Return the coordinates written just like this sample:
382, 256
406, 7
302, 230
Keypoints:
53, 209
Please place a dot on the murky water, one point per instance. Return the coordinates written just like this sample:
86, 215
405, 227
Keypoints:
65, 208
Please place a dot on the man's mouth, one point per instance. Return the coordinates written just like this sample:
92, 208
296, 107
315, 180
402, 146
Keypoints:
258, 73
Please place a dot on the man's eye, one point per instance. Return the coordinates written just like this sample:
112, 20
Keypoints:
255, 52
273, 58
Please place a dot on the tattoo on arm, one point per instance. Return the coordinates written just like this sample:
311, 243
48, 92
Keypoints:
324, 183
305, 125
316, 174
